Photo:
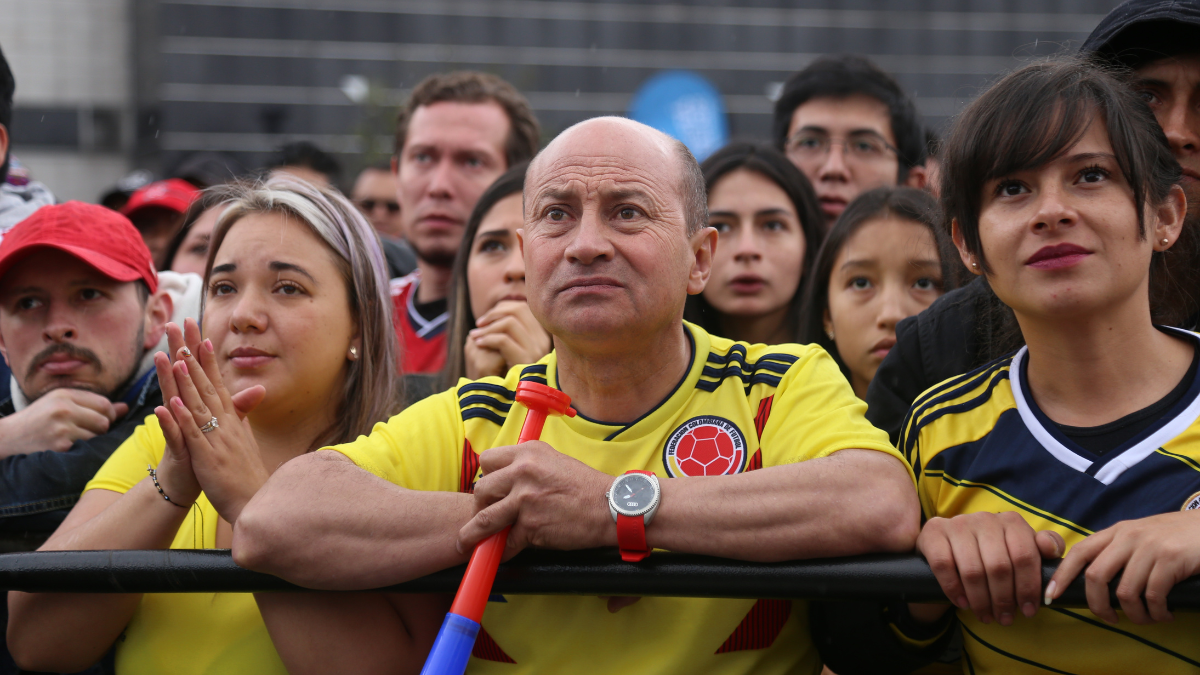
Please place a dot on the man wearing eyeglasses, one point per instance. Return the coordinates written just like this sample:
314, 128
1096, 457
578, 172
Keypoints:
374, 194
850, 128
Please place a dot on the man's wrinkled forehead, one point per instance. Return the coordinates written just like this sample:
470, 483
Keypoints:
584, 176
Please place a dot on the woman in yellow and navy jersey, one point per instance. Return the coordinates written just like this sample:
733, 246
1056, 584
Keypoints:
1061, 191
297, 318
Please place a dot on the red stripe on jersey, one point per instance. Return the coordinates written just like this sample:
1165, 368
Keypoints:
760, 627
486, 648
760, 423
755, 461
470, 467
764, 411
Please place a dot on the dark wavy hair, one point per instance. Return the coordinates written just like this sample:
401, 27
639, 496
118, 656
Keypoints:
462, 320
1034, 115
773, 165
903, 203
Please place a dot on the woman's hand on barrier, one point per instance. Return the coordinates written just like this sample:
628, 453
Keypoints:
224, 453
510, 330
990, 563
1155, 553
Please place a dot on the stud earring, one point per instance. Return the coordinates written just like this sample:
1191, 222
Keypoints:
1166, 241
974, 265
354, 353
829, 332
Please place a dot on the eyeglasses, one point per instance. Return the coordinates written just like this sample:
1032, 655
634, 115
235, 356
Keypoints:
369, 205
865, 147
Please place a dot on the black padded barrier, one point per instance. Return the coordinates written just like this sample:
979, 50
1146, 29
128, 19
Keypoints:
533, 572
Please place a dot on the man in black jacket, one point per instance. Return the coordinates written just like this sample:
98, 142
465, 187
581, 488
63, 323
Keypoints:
78, 312
966, 328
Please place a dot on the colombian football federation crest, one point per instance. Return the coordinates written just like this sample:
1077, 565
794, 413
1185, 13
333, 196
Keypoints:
705, 446
1192, 503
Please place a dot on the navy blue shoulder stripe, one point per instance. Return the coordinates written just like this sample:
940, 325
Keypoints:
759, 373
484, 399
910, 435
953, 388
491, 388
472, 413
534, 373
736, 353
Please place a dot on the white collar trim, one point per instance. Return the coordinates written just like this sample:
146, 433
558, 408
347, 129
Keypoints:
1117, 465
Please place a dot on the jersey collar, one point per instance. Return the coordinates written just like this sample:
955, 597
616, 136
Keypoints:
1110, 467
667, 409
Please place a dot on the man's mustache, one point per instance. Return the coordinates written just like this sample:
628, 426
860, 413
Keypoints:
68, 349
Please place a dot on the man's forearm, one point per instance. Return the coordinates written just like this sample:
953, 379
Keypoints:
322, 522
852, 502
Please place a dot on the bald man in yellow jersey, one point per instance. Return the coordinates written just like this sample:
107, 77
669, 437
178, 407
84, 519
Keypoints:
758, 452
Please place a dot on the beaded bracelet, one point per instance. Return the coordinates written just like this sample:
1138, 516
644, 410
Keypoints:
154, 477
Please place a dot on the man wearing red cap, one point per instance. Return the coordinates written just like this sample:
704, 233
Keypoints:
157, 212
78, 310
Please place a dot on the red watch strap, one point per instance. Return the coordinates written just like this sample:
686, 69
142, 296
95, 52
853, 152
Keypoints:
631, 538
631, 533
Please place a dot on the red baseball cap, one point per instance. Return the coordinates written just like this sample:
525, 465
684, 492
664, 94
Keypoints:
174, 194
100, 237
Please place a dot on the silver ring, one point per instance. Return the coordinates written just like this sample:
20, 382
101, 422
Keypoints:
186, 351
212, 424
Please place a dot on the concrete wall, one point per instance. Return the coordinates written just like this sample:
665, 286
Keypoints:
71, 60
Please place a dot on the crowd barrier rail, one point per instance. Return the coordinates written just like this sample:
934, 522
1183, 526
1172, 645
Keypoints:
533, 572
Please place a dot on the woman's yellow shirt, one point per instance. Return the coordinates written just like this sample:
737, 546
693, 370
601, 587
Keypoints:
185, 633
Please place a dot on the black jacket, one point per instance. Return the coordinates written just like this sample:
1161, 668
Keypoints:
939, 343
38, 489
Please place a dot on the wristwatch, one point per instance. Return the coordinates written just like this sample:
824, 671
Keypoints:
633, 501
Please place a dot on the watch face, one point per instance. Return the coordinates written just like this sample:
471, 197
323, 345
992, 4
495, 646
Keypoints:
633, 494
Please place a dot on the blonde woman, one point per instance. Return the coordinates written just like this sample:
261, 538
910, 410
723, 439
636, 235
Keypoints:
297, 323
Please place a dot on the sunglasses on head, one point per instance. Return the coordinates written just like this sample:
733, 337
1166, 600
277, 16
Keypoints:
369, 205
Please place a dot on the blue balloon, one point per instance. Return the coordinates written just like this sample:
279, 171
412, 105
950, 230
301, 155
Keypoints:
686, 106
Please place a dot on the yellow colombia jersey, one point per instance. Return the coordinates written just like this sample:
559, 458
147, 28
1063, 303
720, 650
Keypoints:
978, 442
185, 633
738, 408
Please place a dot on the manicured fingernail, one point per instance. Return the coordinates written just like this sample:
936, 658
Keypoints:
183, 367
1029, 609
1050, 588
176, 401
208, 346
1006, 619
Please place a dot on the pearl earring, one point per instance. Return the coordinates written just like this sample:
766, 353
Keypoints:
974, 265
1166, 241
829, 332
354, 353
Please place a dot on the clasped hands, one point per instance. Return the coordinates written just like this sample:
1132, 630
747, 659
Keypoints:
991, 564
225, 462
550, 500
